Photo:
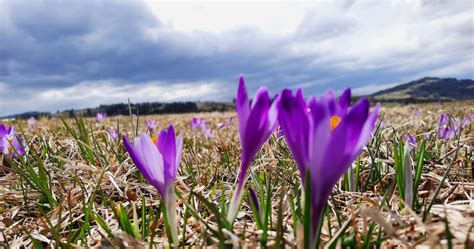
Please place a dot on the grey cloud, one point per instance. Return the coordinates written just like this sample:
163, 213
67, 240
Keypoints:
54, 45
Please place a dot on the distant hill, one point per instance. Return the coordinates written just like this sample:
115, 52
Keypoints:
428, 89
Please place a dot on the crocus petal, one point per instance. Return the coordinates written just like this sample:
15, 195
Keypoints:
3, 131
441, 118
319, 133
153, 160
255, 200
330, 98
426, 136
334, 163
261, 122
31, 121
466, 120
195, 123
412, 139
242, 107
101, 116
367, 129
167, 147
294, 122
256, 132
150, 172
151, 124
19, 147
179, 150
344, 102
353, 124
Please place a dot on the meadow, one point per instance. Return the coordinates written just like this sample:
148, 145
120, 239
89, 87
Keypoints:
76, 186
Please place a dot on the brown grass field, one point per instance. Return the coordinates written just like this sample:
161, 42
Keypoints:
79, 188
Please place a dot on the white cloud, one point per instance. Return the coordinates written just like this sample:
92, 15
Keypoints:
449, 70
94, 93
106, 92
388, 34
217, 17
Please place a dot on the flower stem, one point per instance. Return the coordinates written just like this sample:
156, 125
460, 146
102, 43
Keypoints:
170, 203
235, 202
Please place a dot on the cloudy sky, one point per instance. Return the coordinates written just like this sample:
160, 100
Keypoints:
56, 55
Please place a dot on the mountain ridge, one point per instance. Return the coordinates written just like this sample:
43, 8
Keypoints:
428, 89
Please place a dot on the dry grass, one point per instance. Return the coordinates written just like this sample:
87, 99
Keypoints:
83, 189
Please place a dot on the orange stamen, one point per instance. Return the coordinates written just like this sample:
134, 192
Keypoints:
334, 121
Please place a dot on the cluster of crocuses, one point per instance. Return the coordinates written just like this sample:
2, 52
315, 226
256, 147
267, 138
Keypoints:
201, 123
324, 134
11, 142
197, 122
221, 126
449, 126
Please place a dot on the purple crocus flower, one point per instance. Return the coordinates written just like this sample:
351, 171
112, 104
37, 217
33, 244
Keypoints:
31, 121
206, 132
195, 123
113, 133
101, 116
441, 118
445, 132
254, 199
411, 139
10, 143
466, 120
456, 123
256, 123
158, 162
151, 124
221, 126
427, 136
325, 137
444, 118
